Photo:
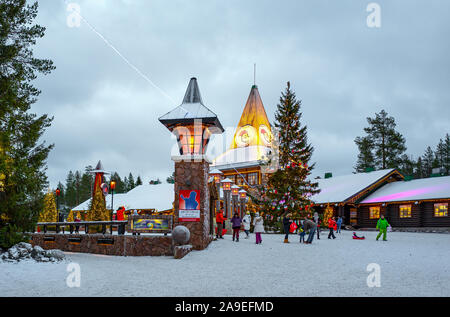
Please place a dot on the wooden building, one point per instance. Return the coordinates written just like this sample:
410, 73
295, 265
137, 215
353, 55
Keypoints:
362, 198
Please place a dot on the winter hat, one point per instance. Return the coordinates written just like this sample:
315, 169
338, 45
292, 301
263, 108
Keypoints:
257, 214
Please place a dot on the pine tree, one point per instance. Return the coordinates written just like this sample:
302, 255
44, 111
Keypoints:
77, 188
171, 179
366, 159
447, 155
131, 183
441, 155
427, 159
70, 195
49, 213
138, 181
419, 171
387, 144
407, 165
288, 190
22, 156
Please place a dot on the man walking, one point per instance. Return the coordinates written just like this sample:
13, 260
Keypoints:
382, 225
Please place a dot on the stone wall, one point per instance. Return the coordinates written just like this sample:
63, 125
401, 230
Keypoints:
190, 175
157, 245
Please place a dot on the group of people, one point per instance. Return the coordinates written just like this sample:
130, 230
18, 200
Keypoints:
236, 224
306, 226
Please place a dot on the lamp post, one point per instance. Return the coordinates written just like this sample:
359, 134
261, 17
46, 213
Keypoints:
226, 185
235, 194
243, 199
217, 178
112, 186
57, 192
192, 123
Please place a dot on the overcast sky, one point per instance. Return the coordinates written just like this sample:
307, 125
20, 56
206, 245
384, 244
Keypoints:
342, 70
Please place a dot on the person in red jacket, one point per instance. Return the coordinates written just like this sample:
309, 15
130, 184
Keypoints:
219, 220
120, 217
332, 225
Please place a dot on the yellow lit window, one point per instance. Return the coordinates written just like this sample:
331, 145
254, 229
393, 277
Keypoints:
405, 211
441, 210
253, 178
374, 212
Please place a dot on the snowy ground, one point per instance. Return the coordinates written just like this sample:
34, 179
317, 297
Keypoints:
412, 264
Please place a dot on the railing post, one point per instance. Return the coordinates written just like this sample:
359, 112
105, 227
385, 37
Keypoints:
71, 229
45, 228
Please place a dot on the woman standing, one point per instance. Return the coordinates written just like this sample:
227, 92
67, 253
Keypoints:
287, 226
236, 222
332, 226
258, 222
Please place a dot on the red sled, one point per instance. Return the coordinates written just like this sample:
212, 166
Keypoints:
359, 238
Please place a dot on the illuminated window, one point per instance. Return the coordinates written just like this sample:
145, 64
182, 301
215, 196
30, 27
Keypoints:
374, 212
441, 210
240, 180
253, 178
405, 211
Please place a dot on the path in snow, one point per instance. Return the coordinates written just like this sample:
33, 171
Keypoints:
412, 264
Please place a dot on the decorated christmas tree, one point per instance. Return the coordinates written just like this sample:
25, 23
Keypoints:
288, 189
49, 213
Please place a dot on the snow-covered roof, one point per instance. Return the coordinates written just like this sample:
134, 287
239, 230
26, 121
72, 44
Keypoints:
418, 189
159, 197
340, 188
241, 157
191, 108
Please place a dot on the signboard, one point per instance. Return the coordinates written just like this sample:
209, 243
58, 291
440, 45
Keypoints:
189, 206
150, 224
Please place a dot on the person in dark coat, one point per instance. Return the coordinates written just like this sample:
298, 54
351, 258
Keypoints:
236, 222
287, 226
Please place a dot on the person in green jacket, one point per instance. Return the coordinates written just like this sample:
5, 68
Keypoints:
382, 225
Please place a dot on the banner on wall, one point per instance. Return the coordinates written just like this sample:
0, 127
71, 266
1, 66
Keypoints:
189, 206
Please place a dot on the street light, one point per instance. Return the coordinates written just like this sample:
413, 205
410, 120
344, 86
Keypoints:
57, 192
243, 199
235, 193
217, 178
112, 186
226, 185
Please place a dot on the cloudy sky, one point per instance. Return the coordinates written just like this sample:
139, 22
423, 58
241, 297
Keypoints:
342, 70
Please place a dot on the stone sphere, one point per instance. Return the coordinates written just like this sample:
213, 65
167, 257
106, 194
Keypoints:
181, 235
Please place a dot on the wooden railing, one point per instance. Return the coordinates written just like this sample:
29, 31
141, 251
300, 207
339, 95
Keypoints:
74, 226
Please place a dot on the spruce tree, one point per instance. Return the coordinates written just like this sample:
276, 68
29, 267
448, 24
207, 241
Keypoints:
447, 155
138, 181
428, 159
131, 183
387, 144
22, 155
366, 159
419, 171
288, 189
97, 209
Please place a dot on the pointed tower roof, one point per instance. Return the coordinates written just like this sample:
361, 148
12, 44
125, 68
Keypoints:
254, 126
192, 108
99, 168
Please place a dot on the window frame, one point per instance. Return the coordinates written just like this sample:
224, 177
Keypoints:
434, 210
409, 212
371, 217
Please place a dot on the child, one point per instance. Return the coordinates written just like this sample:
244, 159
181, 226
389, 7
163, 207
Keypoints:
302, 234
247, 220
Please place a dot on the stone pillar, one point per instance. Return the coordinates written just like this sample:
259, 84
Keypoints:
193, 175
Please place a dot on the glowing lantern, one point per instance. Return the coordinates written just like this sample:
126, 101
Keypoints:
217, 175
226, 184
235, 190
